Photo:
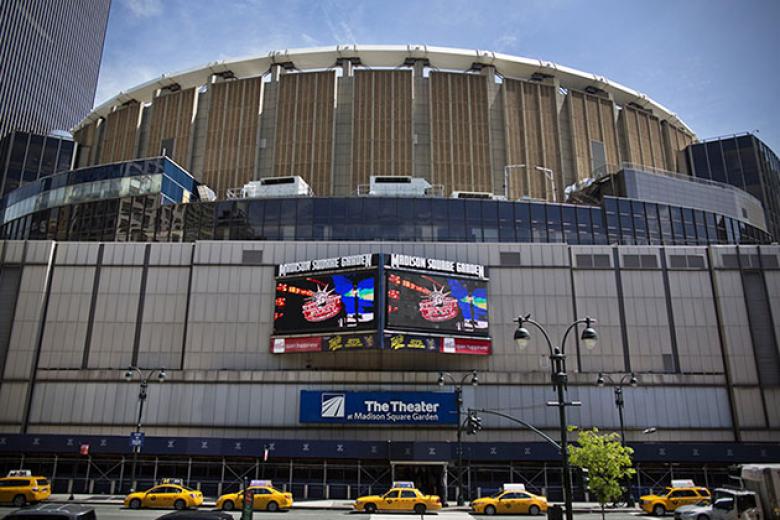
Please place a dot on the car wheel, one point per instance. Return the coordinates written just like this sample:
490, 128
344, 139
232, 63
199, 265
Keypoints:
228, 505
419, 509
702, 517
369, 508
534, 510
659, 510
19, 500
272, 506
135, 504
179, 504
490, 510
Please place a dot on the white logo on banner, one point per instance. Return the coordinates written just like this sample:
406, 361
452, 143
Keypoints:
332, 405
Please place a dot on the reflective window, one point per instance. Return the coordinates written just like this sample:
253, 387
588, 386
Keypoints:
506, 222
677, 225
32, 162
538, 222
613, 221
715, 156
523, 222
689, 226
653, 227
640, 223
626, 218
554, 227
570, 225
599, 231
490, 221
584, 227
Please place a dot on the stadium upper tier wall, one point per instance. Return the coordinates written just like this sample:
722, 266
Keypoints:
336, 116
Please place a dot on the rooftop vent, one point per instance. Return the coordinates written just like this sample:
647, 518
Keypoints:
398, 185
272, 187
472, 195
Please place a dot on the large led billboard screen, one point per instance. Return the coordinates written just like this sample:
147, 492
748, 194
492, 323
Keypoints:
320, 303
437, 304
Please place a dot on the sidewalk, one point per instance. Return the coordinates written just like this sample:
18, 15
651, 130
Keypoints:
343, 505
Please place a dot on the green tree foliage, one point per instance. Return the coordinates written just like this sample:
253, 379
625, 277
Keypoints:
607, 462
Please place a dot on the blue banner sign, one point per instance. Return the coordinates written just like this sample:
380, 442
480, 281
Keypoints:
415, 408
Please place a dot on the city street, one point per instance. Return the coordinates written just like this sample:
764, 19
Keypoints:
115, 512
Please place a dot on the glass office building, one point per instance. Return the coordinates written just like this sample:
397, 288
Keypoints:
26, 157
54, 50
743, 161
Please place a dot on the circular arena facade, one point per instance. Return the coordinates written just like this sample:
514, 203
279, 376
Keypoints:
313, 326
336, 116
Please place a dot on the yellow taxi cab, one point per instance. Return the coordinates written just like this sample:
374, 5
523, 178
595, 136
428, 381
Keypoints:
401, 497
681, 493
20, 487
266, 497
163, 496
513, 499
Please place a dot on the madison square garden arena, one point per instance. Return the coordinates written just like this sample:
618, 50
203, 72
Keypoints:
293, 251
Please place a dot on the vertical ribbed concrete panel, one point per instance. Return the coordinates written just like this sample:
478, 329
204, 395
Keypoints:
695, 322
231, 142
200, 127
87, 139
21, 348
170, 126
267, 134
531, 139
647, 321
596, 295
421, 123
343, 161
304, 128
67, 318
382, 138
460, 135
120, 134
643, 144
116, 307
592, 123
496, 129
675, 141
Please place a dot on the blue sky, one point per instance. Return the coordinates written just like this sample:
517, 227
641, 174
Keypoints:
713, 62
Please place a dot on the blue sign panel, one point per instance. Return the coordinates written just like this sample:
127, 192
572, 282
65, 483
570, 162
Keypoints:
415, 408
137, 440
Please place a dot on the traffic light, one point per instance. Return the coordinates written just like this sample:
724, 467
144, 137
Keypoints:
584, 474
473, 424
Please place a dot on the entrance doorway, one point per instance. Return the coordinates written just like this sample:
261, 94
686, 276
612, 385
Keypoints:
429, 477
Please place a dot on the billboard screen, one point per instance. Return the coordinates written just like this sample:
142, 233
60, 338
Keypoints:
437, 304
325, 303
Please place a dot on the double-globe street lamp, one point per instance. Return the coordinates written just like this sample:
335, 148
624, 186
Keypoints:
625, 379
130, 373
559, 379
443, 376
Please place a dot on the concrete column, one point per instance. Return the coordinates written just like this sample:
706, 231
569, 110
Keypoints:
496, 129
421, 123
343, 133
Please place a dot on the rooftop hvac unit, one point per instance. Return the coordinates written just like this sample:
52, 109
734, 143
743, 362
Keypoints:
276, 187
403, 185
472, 195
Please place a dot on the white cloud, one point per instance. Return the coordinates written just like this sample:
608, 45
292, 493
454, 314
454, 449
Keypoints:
144, 8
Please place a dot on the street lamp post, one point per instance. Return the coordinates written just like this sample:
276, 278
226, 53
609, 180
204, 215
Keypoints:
506, 177
144, 384
618, 385
559, 379
459, 401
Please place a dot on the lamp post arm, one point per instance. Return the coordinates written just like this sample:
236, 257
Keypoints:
569, 329
519, 421
528, 319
